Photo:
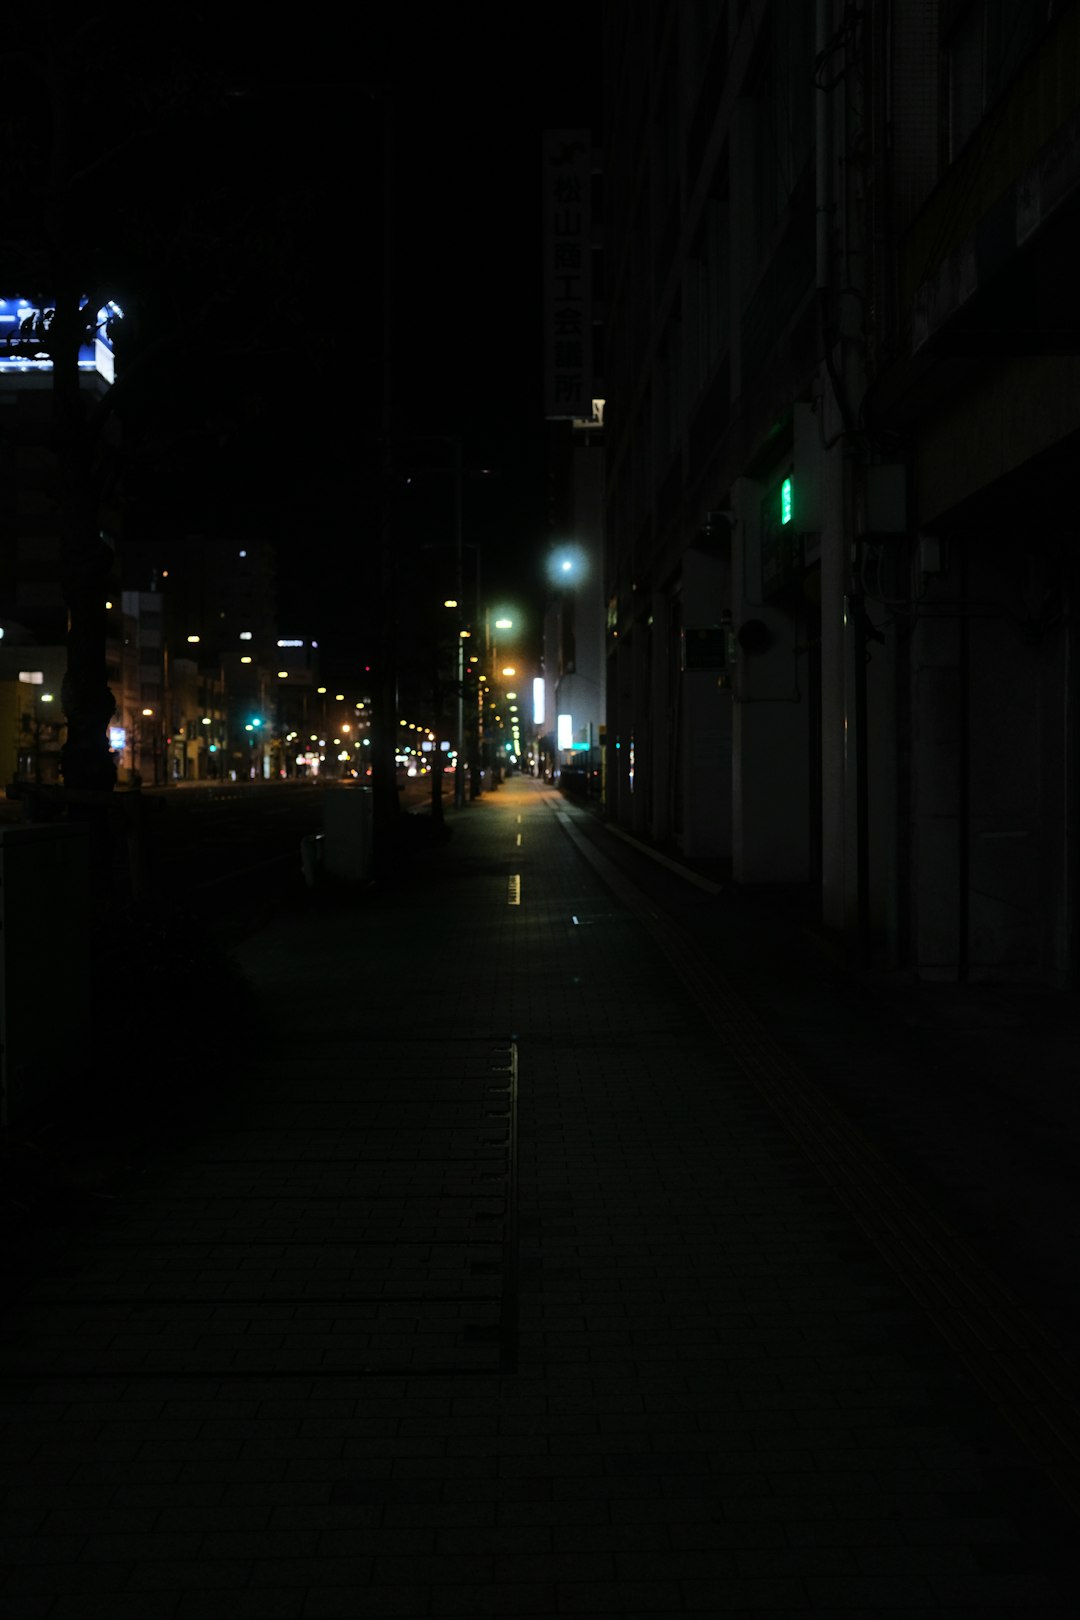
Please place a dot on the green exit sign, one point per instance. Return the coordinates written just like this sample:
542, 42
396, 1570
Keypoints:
785, 501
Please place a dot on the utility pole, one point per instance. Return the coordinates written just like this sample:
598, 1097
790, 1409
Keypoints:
459, 557
384, 800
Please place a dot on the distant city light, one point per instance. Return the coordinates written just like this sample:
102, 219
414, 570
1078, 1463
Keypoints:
246, 659
193, 638
245, 635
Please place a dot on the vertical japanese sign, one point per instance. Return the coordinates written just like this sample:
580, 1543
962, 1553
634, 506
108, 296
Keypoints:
567, 273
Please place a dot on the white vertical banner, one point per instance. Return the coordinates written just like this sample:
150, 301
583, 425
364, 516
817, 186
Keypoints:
567, 183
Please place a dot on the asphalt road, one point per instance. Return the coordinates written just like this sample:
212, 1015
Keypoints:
231, 850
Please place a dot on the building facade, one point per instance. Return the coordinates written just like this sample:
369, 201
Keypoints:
571, 736
842, 404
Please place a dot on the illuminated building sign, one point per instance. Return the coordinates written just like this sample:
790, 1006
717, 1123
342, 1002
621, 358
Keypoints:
565, 734
782, 559
538, 700
24, 336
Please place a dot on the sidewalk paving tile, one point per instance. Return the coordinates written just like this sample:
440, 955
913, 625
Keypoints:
493, 1285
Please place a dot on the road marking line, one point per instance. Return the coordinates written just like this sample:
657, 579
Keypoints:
513, 897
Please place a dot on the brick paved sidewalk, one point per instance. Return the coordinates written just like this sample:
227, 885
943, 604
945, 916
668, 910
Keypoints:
494, 1287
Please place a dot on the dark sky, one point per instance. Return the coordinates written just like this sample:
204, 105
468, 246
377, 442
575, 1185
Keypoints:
473, 87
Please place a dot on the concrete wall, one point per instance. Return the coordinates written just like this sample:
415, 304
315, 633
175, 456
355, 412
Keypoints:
770, 729
705, 719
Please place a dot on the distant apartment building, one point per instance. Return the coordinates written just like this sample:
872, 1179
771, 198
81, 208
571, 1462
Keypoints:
843, 404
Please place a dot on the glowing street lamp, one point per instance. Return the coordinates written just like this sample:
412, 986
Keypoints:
567, 565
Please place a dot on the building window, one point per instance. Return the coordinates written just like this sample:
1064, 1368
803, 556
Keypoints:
967, 77
986, 45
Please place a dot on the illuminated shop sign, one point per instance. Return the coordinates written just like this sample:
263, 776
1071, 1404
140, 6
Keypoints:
24, 337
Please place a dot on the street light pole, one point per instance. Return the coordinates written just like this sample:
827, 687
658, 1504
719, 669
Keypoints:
459, 548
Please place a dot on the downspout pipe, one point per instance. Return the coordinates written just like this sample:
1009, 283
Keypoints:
822, 153
823, 157
824, 206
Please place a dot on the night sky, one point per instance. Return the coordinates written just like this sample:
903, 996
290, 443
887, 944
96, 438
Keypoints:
473, 87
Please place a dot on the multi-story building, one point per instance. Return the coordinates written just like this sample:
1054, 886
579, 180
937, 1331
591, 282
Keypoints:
571, 736
32, 601
842, 404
